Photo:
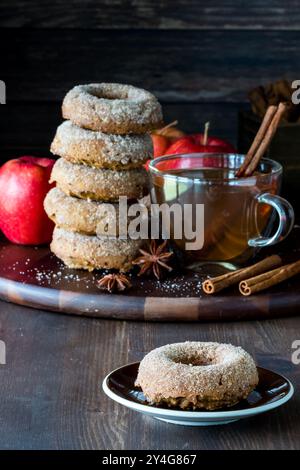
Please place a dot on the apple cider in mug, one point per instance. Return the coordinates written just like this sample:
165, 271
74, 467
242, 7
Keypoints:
239, 213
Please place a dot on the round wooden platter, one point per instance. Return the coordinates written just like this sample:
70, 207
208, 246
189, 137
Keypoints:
32, 276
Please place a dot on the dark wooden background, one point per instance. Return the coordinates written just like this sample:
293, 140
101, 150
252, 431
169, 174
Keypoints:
199, 57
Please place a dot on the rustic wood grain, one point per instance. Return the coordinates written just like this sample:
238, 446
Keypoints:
151, 14
51, 397
185, 66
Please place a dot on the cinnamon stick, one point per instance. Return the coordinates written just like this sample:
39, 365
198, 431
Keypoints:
216, 284
266, 140
268, 279
262, 139
270, 113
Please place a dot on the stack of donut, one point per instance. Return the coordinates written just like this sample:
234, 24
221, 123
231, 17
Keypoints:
103, 145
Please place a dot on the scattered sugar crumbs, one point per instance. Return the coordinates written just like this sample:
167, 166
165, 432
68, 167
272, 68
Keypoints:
177, 286
45, 276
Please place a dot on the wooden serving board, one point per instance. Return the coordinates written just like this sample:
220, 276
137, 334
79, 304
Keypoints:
34, 277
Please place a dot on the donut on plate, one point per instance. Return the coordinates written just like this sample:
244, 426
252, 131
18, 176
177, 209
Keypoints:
101, 150
87, 182
112, 108
94, 252
197, 375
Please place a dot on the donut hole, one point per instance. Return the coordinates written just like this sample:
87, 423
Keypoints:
195, 360
109, 94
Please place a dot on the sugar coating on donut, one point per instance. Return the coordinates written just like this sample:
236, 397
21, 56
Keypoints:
100, 149
99, 184
83, 216
80, 251
197, 375
112, 108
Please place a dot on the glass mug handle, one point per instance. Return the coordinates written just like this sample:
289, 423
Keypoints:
286, 220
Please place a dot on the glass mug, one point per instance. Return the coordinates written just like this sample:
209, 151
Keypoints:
239, 213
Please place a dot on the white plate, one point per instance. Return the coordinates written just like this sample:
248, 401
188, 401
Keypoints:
272, 391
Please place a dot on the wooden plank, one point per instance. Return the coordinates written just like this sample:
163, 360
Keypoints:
153, 14
28, 128
189, 66
51, 397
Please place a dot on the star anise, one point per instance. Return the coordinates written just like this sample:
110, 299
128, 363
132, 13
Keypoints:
154, 259
114, 282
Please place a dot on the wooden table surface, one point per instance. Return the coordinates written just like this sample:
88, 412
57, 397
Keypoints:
51, 397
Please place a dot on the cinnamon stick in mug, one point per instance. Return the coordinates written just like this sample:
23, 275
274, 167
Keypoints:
216, 284
268, 117
262, 139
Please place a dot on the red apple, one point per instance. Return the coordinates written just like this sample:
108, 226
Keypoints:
24, 183
213, 144
162, 138
201, 143
160, 144
180, 146
198, 143
194, 143
183, 145
171, 133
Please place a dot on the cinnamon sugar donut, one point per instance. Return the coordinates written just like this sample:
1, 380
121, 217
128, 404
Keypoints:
112, 108
88, 252
194, 375
82, 216
99, 184
101, 150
